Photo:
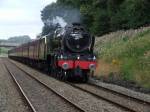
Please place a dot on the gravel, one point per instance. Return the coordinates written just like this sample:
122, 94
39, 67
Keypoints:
124, 83
86, 101
123, 90
10, 98
41, 98
125, 101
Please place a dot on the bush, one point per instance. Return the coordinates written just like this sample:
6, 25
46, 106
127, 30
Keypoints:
133, 55
103, 16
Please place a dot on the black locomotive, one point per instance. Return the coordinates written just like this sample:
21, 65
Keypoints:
66, 53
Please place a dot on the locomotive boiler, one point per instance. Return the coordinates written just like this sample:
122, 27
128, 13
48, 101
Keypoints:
66, 54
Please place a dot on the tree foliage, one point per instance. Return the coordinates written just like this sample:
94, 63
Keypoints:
102, 16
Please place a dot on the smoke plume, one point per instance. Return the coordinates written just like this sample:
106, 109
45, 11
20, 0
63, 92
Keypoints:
55, 21
63, 16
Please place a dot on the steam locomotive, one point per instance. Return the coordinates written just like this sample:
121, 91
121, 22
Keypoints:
66, 54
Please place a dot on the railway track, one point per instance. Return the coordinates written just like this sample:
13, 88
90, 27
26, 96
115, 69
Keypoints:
117, 98
84, 105
21, 90
29, 102
120, 100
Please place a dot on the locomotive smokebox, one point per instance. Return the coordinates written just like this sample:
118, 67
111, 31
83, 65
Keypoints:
77, 39
72, 38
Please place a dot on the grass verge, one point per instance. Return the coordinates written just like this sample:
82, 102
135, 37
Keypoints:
126, 58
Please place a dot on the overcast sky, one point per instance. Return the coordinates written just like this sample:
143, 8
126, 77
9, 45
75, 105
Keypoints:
21, 17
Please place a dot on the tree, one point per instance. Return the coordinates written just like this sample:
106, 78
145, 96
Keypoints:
101, 23
100, 16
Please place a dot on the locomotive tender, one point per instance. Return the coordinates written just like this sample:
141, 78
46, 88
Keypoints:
66, 53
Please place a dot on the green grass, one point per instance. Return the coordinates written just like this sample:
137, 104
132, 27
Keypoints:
133, 55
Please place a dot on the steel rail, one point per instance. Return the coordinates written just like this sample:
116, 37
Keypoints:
109, 100
122, 94
101, 97
46, 86
21, 90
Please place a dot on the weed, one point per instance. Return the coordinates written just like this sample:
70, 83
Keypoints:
131, 55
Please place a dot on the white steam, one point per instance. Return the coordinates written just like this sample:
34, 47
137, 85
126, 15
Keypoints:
63, 16
56, 20
60, 21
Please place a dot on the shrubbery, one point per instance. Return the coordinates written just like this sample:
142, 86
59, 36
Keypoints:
102, 16
132, 56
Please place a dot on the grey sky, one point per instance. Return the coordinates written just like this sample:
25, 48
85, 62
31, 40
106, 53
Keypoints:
21, 17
